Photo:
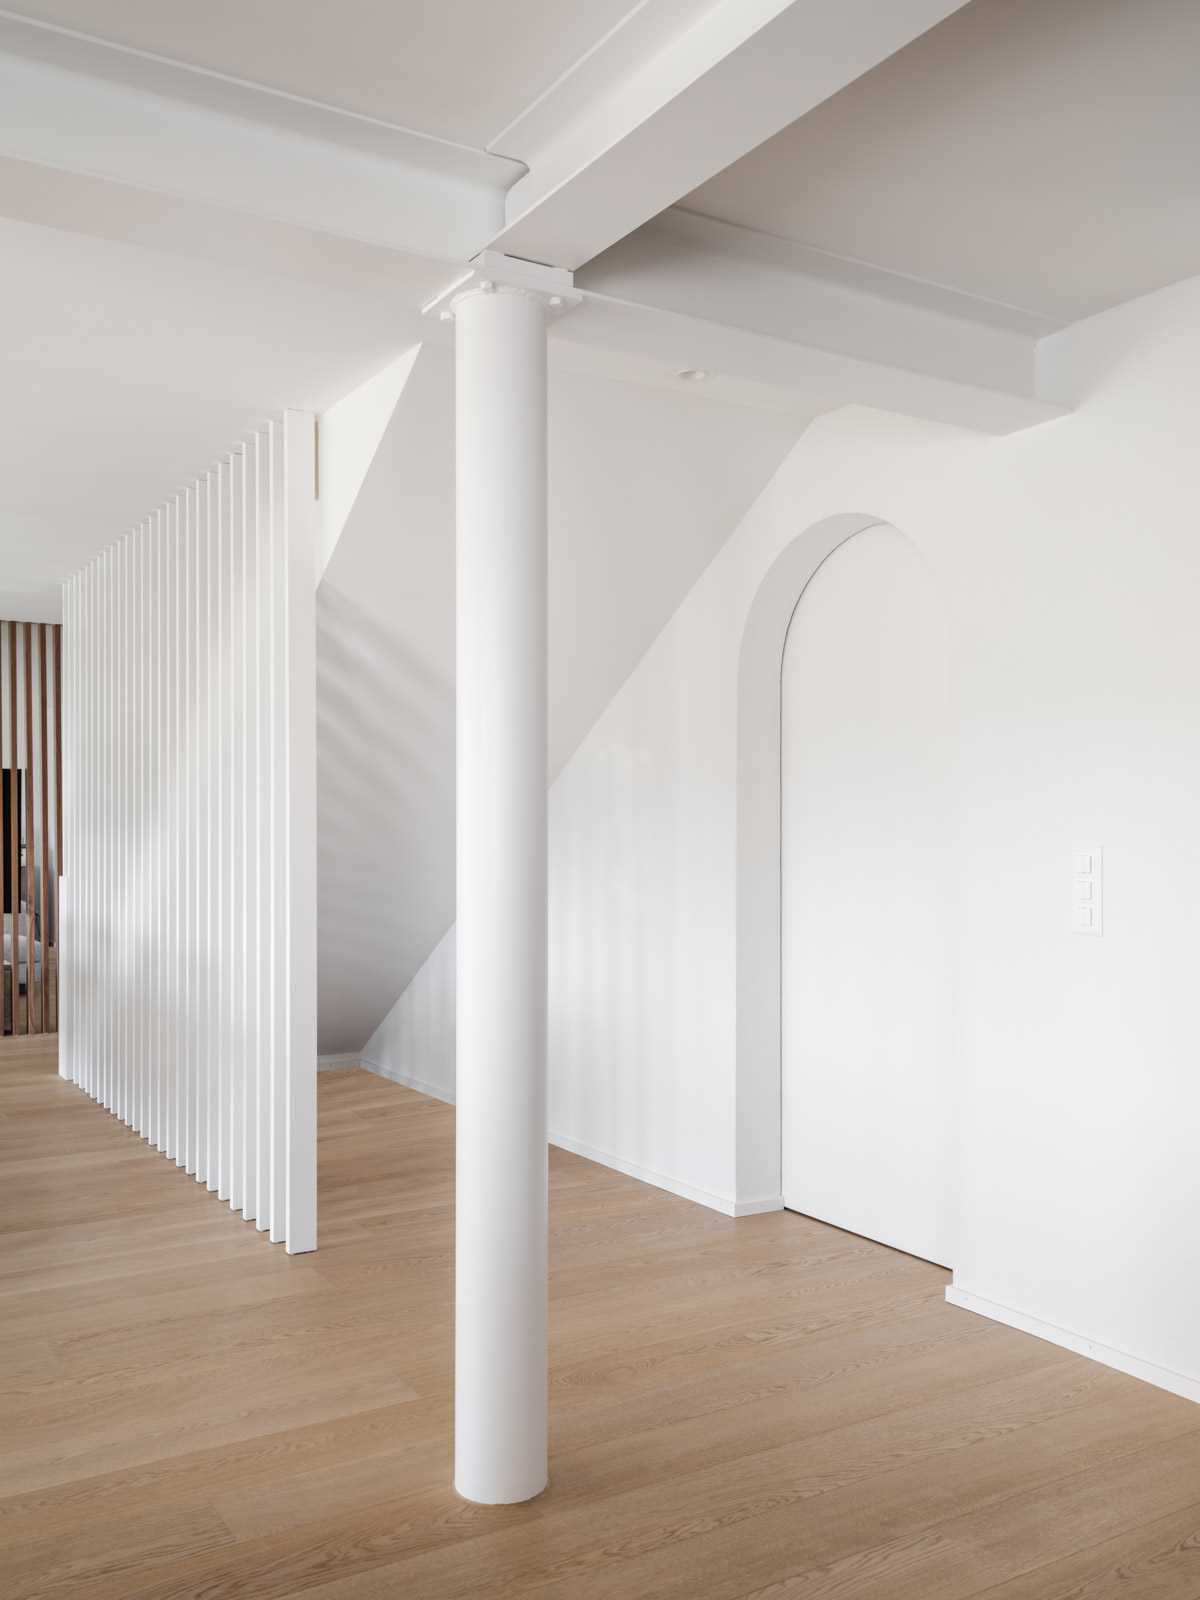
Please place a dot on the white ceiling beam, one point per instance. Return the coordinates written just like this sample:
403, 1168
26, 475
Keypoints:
647, 344
690, 265
122, 65
721, 86
420, 196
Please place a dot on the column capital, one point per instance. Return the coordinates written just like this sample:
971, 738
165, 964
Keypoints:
491, 272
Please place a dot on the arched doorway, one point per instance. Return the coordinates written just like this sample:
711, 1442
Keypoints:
864, 969
759, 1078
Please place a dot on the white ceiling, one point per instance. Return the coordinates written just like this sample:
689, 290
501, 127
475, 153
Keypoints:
172, 271
454, 69
1036, 153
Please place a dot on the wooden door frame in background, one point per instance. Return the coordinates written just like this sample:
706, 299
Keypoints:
34, 814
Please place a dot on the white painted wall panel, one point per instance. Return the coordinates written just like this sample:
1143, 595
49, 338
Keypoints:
1068, 559
188, 964
865, 993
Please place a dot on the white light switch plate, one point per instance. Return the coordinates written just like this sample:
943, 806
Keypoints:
1087, 889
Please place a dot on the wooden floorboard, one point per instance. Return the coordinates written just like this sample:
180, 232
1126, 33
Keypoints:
765, 1409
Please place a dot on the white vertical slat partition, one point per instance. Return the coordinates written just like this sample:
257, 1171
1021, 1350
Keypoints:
188, 965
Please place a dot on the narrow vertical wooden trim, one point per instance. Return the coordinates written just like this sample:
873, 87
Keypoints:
31, 961
58, 744
44, 851
63, 901
4, 866
69, 903
15, 829
43, 831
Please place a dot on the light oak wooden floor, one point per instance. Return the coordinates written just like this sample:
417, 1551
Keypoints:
767, 1408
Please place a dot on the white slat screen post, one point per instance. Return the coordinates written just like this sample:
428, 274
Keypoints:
188, 965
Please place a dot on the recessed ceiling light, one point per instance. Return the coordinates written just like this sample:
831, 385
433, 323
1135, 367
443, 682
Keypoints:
693, 375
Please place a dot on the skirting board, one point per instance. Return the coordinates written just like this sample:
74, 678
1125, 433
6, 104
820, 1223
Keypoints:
332, 1063
432, 1089
1147, 1371
702, 1197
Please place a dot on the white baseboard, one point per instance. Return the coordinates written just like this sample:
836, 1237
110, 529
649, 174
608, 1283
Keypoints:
332, 1063
755, 1208
393, 1076
1120, 1360
659, 1180
631, 1169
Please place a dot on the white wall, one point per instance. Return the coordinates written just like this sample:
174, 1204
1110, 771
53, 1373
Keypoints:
415, 1041
1069, 561
188, 955
631, 528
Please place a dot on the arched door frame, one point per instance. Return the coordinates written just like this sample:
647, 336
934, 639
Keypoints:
759, 1081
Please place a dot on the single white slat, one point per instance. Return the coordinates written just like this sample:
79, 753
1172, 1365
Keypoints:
145, 639
163, 829
300, 680
96, 962
221, 876
186, 829
182, 837
121, 811
95, 831
200, 812
236, 844
161, 1090
153, 851
138, 650
262, 821
209, 878
161, 1044
92, 768
109, 894
150, 839
174, 876
85, 854
249, 1095
161, 1068
128, 827
277, 707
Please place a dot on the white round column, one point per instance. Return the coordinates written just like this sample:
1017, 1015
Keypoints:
500, 1415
